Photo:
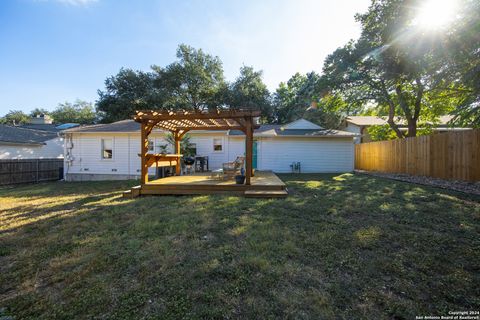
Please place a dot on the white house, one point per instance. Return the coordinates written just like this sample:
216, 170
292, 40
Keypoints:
24, 143
110, 151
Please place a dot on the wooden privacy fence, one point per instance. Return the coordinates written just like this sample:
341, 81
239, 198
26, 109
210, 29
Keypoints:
452, 155
14, 171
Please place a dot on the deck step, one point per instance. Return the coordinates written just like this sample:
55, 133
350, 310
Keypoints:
266, 194
133, 192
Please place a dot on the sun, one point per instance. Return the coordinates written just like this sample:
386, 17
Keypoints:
433, 14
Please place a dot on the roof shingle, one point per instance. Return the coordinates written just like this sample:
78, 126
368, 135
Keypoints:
18, 135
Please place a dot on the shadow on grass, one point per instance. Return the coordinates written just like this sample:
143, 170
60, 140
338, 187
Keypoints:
338, 246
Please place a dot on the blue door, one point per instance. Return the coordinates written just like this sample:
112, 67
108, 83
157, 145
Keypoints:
254, 154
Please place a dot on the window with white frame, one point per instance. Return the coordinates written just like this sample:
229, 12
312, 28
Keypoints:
218, 144
107, 148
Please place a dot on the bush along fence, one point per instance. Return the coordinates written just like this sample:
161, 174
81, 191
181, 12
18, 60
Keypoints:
452, 155
13, 171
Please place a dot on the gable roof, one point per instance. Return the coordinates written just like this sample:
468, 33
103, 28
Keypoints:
282, 132
267, 130
19, 135
302, 124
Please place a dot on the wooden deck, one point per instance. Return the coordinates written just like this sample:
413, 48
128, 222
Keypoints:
263, 184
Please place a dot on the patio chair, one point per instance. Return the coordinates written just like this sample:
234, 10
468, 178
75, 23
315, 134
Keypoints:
231, 169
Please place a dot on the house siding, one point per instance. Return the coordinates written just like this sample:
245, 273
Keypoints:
350, 127
276, 154
315, 155
86, 153
51, 149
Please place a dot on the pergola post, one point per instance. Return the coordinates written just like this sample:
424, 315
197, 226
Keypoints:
176, 135
143, 152
248, 150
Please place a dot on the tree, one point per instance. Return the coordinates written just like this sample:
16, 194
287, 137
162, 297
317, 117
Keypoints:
81, 112
328, 112
15, 117
127, 92
304, 96
194, 82
462, 69
186, 146
290, 100
249, 92
394, 64
38, 112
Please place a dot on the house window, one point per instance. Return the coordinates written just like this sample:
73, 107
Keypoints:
107, 148
217, 145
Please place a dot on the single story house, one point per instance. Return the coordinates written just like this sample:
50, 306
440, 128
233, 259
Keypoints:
24, 143
111, 151
360, 124
38, 139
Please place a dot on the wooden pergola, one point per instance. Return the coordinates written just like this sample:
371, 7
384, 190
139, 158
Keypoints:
179, 123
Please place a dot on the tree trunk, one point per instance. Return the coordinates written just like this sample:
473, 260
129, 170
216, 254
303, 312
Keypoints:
391, 121
412, 128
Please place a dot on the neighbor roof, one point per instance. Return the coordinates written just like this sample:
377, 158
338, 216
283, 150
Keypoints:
119, 126
19, 135
374, 120
366, 120
43, 126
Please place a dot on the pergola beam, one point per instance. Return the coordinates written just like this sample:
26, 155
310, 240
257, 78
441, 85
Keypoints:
149, 115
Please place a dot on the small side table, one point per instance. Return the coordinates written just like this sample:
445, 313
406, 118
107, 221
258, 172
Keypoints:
217, 174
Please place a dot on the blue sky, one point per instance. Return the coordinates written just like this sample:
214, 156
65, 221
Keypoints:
53, 51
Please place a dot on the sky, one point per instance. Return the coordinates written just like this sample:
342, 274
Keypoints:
52, 51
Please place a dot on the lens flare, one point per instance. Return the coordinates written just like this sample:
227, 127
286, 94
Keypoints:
433, 14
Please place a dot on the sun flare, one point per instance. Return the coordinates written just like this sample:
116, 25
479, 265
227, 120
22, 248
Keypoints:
433, 14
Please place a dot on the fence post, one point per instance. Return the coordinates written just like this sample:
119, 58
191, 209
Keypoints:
38, 161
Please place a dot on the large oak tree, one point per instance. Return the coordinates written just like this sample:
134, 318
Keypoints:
397, 66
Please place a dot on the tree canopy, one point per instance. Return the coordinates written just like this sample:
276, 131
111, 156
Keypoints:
81, 112
396, 66
195, 81
15, 117
249, 92
38, 112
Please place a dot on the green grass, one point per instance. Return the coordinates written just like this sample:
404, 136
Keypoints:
340, 246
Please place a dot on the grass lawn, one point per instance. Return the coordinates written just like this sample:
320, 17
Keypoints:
340, 246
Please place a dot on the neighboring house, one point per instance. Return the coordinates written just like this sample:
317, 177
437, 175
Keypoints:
111, 151
35, 140
23, 143
360, 124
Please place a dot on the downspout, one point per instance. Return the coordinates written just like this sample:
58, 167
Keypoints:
128, 161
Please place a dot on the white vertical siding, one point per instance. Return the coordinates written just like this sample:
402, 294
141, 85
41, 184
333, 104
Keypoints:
315, 155
236, 148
